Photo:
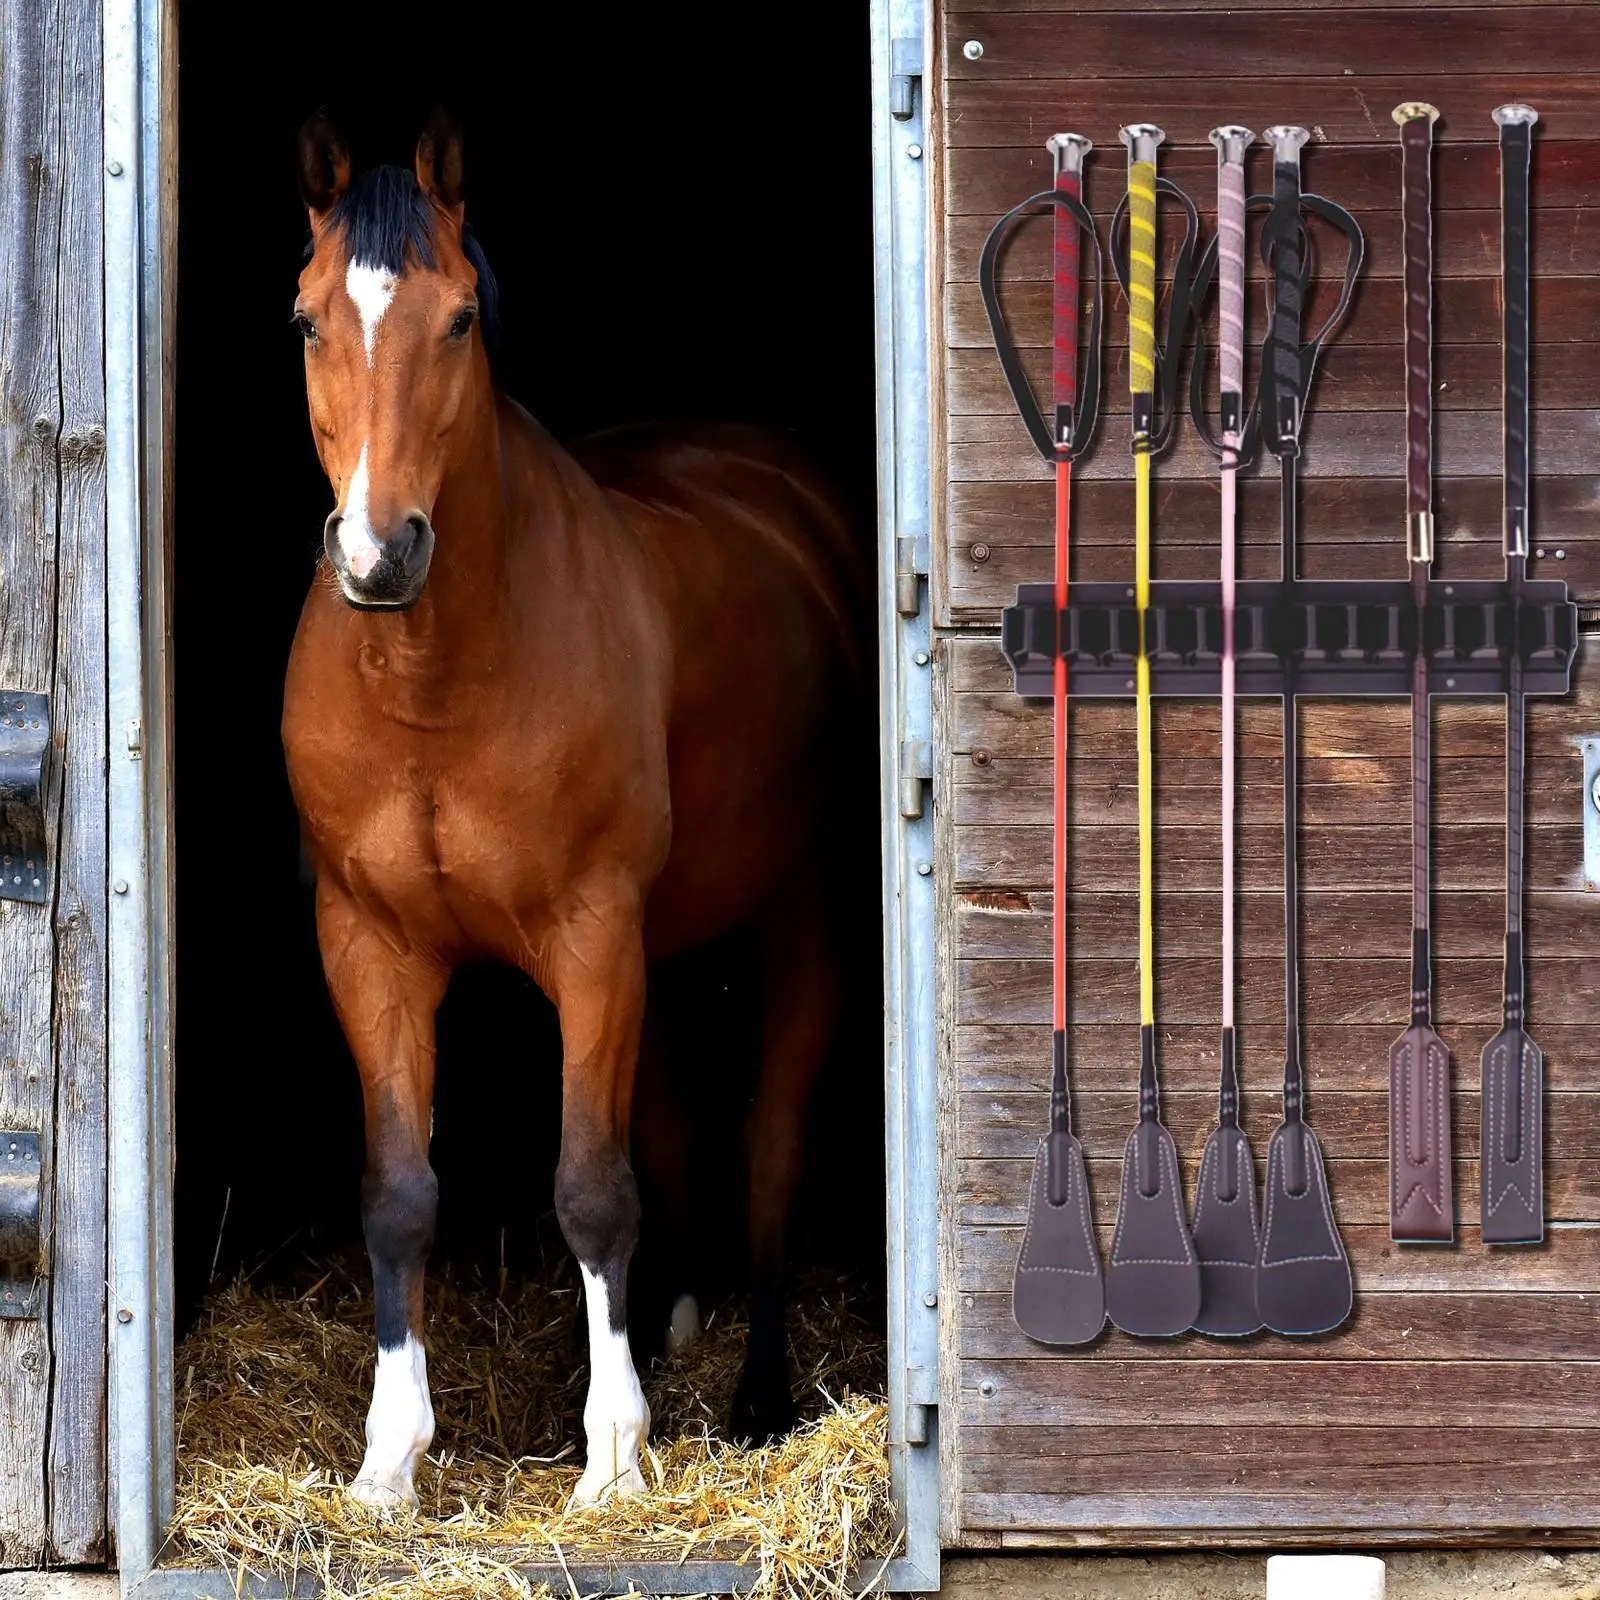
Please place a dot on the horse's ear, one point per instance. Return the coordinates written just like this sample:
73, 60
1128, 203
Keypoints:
439, 160
324, 163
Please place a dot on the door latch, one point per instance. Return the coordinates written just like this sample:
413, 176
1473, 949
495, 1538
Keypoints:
1591, 812
24, 745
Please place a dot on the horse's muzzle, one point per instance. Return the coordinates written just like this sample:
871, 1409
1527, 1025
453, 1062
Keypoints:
382, 574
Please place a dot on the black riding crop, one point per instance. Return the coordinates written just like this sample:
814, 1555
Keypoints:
1512, 1166
1303, 1282
1420, 1205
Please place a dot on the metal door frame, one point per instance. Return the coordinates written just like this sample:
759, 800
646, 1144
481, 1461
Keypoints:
139, 65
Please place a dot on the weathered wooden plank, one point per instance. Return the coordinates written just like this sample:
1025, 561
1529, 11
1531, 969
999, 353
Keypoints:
1373, 793
1002, 1056
1434, 45
1008, 726
1385, 1327
1568, 1260
1338, 445
994, 1189
1353, 1461
33, 156
1359, 177
977, 590
1274, 1520
1007, 1125
1356, 377
1000, 534
1369, 924
1466, 857
76, 1464
1349, 510
1566, 310
983, 111
1110, 1394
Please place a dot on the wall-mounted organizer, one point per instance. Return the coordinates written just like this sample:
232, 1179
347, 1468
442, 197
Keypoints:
1285, 1268
1347, 637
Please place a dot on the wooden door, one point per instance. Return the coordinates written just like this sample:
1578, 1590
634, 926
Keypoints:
1460, 1403
52, 640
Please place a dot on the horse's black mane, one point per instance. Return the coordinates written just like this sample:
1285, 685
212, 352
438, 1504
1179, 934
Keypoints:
387, 222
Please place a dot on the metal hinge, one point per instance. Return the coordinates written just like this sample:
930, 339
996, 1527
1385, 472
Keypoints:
910, 564
24, 748
916, 769
922, 1402
21, 1246
905, 71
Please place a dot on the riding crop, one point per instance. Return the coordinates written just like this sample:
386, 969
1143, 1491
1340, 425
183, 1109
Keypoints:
1227, 1230
1303, 1282
1058, 1294
1152, 1275
1420, 1205
1511, 1167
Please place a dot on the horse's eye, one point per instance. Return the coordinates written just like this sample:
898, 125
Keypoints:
308, 329
461, 325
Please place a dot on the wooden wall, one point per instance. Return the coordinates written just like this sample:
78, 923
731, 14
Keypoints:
52, 639
1458, 1361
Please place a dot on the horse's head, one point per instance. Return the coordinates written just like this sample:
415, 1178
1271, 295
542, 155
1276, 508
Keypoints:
391, 306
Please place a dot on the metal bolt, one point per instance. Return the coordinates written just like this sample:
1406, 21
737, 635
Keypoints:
1540, 553
969, 1302
930, 1299
124, 1316
1561, 555
921, 658
924, 869
914, 151
114, 168
982, 758
973, 49
1449, 683
120, 886
980, 552
986, 1388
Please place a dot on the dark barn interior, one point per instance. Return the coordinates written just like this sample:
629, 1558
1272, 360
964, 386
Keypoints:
677, 206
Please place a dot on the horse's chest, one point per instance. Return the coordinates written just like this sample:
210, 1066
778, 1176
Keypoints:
445, 848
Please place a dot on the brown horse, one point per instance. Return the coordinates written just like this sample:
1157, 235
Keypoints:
564, 711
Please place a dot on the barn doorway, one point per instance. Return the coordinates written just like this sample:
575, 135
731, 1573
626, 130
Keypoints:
678, 208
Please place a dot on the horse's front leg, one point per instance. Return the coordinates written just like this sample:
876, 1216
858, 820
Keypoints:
597, 976
386, 996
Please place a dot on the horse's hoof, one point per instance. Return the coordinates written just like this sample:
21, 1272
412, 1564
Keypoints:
378, 1495
597, 1485
762, 1412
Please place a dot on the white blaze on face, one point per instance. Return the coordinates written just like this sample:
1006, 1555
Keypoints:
399, 1428
372, 289
615, 1417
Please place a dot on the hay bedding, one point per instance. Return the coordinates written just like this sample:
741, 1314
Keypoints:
273, 1387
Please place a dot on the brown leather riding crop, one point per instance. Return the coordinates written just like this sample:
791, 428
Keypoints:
1420, 1207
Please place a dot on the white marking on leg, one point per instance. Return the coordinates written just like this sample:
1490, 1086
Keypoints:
362, 552
615, 1417
683, 1326
399, 1428
372, 289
